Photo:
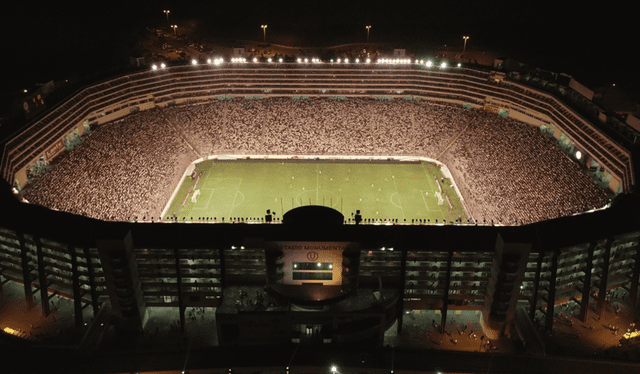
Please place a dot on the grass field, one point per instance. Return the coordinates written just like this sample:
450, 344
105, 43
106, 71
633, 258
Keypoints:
381, 190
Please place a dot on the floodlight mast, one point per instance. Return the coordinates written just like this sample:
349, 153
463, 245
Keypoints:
167, 13
368, 27
464, 48
264, 32
174, 27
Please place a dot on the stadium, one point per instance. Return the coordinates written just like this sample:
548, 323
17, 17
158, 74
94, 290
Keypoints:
456, 188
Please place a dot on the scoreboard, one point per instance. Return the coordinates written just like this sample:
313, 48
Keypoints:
312, 262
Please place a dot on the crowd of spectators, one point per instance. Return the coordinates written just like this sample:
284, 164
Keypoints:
122, 171
511, 173
353, 126
507, 171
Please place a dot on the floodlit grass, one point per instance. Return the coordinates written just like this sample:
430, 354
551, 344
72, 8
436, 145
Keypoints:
380, 190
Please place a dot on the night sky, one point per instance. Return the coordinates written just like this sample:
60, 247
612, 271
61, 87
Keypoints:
593, 44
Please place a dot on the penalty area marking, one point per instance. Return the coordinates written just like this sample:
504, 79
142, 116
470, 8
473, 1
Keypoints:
234, 200
235, 197
208, 200
423, 193
391, 199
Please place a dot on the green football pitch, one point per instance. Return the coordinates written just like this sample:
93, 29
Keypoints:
381, 190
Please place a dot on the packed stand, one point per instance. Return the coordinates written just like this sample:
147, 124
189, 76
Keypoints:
507, 170
122, 171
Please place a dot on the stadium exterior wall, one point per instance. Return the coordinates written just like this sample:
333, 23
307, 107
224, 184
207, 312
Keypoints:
433, 266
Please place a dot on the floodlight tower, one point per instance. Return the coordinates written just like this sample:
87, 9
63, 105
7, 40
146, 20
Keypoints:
368, 27
174, 27
167, 13
465, 43
264, 32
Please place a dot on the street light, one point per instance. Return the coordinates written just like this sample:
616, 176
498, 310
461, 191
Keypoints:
167, 13
174, 27
368, 27
465, 43
264, 32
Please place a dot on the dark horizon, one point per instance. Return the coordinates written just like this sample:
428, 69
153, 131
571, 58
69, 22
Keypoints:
592, 44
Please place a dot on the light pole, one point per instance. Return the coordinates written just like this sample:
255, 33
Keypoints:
174, 27
264, 32
368, 27
465, 43
167, 13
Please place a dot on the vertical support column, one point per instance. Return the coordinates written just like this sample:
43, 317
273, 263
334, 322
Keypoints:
26, 272
586, 285
223, 269
602, 292
445, 298
42, 279
383, 323
77, 295
118, 259
536, 285
551, 296
92, 282
401, 290
181, 306
632, 301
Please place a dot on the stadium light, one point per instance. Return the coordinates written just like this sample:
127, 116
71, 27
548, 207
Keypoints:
264, 31
162, 65
346, 60
338, 61
368, 60
465, 43
174, 27
167, 13
299, 60
443, 65
153, 67
368, 27
429, 63
194, 62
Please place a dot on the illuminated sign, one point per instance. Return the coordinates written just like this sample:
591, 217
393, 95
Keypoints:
312, 262
56, 148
